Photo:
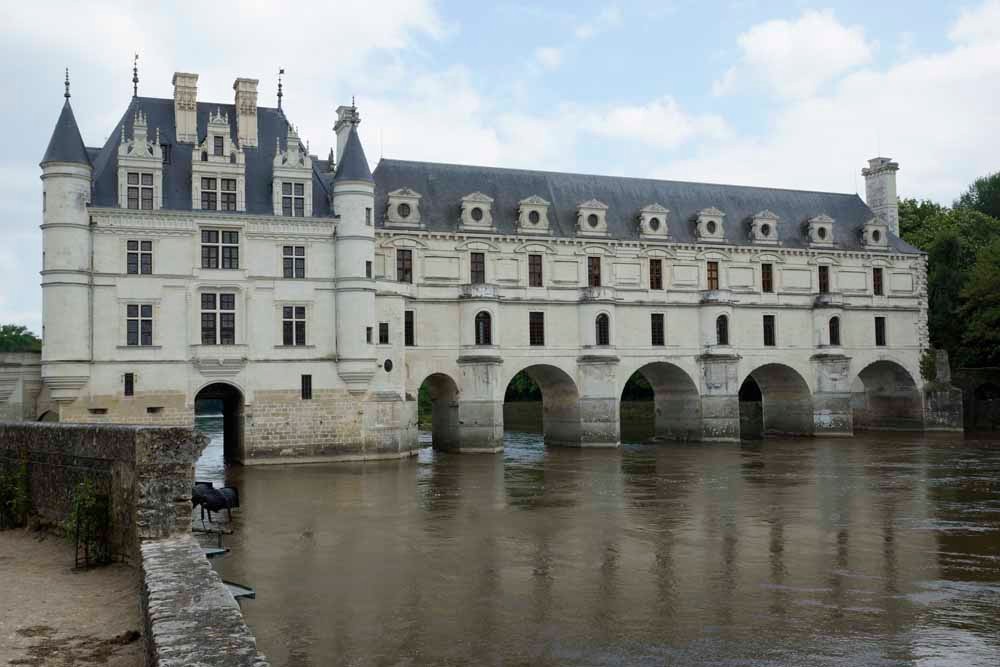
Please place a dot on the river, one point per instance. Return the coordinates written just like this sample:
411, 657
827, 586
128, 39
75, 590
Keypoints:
880, 550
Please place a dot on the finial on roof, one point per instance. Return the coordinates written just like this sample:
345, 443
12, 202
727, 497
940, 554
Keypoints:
66, 94
135, 76
280, 94
352, 102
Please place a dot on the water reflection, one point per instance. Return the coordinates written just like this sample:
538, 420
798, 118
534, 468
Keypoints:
880, 550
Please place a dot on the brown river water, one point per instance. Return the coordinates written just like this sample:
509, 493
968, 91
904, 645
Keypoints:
883, 549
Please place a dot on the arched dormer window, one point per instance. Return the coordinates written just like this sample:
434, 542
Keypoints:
484, 329
834, 331
603, 326
722, 330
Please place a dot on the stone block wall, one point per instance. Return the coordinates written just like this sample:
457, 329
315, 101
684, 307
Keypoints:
20, 383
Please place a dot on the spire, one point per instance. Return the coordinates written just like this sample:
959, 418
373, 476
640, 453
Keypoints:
66, 94
353, 163
66, 144
280, 94
331, 162
135, 76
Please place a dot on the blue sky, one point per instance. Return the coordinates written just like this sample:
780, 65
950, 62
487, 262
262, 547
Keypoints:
786, 94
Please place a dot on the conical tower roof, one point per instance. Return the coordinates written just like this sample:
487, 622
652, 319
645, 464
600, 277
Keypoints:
66, 144
353, 164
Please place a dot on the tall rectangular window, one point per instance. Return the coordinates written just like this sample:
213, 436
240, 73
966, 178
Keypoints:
536, 328
383, 333
219, 145
656, 329
140, 190
877, 282
129, 379
404, 266
769, 330
824, 279
713, 275
368, 335
656, 274
167, 150
218, 319
293, 261
408, 337
534, 270
307, 387
209, 194
138, 324
293, 325
228, 196
293, 199
594, 271
766, 277
368, 217
139, 257
477, 268
880, 331
368, 268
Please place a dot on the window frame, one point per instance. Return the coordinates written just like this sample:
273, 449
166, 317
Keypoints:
409, 328
139, 190
767, 278
306, 387
536, 328
404, 265
712, 274
383, 333
128, 384
769, 327
141, 316
656, 274
602, 330
293, 199
881, 335
878, 281
833, 331
657, 330
138, 254
225, 251
214, 314
293, 326
722, 330
535, 271
823, 278
483, 328
593, 271
477, 268
293, 261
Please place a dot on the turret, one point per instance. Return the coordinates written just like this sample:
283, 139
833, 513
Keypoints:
66, 256
354, 206
880, 190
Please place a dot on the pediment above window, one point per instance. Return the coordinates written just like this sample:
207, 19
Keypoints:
533, 215
653, 222
819, 231
875, 235
709, 225
592, 218
764, 228
477, 212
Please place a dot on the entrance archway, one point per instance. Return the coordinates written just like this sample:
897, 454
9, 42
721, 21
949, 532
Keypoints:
224, 402
559, 397
437, 407
775, 400
660, 400
884, 397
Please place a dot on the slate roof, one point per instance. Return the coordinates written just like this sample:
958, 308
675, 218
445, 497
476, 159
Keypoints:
353, 163
443, 185
66, 144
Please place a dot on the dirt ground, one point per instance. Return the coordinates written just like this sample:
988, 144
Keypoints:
53, 615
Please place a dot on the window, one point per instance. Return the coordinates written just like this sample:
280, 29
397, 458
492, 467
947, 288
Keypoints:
368, 268
404, 266
834, 331
307, 387
656, 329
603, 329
824, 279
408, 338
722, 330
293, 199
140, 190
880, 331
167, 150
219, 146
534, 270
293, 325
139, 257
293, 261
368, 335
218, 319
655, 274
477, 268
216, 243
766, 277
138, 324
713, 275
368, 217
484, 333
209, 194
594, 271
383, 333
877, 281
228, 196
536, 328
769, 331
129, 379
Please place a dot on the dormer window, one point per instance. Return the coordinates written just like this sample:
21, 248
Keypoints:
403, 208
875, 234
477, 212
220, 146
708, 224
140, 167
140, 190
653, 221
820, 231
764, 228
218, 180
592, 218
293, 200
533, 215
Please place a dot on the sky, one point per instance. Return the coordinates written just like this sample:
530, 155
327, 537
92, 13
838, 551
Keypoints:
776, 93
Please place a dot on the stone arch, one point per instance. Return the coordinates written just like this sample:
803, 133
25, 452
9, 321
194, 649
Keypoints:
783, 399
442, 393
560, 403
229, 399
885, 397
49, 416
676, 403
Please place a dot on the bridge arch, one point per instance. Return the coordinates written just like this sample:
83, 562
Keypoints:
560, 402
676, 403
885, 397
226, 400
775, 400
438, 394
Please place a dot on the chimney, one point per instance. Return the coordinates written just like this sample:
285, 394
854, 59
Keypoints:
880, 190
347, 117
186, 107
246, 112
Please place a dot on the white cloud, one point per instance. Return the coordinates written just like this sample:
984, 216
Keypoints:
608, 18
796, 58
549, 57
980, 24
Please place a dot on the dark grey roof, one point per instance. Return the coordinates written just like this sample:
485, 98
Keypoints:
66, 144
443, 185
271, 125
353, 164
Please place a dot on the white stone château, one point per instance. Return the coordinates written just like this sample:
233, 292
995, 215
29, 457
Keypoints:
203, 253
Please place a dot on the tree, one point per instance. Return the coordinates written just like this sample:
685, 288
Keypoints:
915, 221
981, 309
983, 196
946, 275
15, 338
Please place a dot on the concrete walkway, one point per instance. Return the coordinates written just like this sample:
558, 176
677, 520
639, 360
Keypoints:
51, 615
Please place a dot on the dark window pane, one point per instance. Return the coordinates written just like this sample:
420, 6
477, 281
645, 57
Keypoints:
603, 332
146, 246
300, 333
133, 178
300, 189
286, 206
834, 331
484, 329
713, 276
477, 273
404, 266
227, 328
208, 302
656, 328
147, 263
227, 302
230, 257
300, 209
766, 278
147, 332
219, 145
208, 328
231, 237
722, 330
229, 184
877, 281
132, 263
383, 333
132, 245
300, 251
209, 257
286, 189
824, 279
132, 310
534, 270
536, 328
129, 384
209, 236
208, 201
307, 387
208, 184
286, 312
147, 179
132, 337
300, 312
228, 201
133, 198
408, 338
286, 328
880, 331
769, 330
655, 274
147, 311
300, 268
594, 271
286, 267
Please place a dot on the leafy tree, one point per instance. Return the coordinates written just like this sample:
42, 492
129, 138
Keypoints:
983, 196
15, 338
981, 310
523, 388
945, 277
915, 221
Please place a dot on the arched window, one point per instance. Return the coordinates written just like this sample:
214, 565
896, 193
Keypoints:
722, 330
603, 330
484, 329
834, 331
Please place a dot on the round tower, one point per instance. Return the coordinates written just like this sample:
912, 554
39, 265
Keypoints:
66, 259
354, 205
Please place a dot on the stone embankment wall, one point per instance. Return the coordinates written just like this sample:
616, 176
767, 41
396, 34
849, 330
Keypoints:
20, 383
190, 618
